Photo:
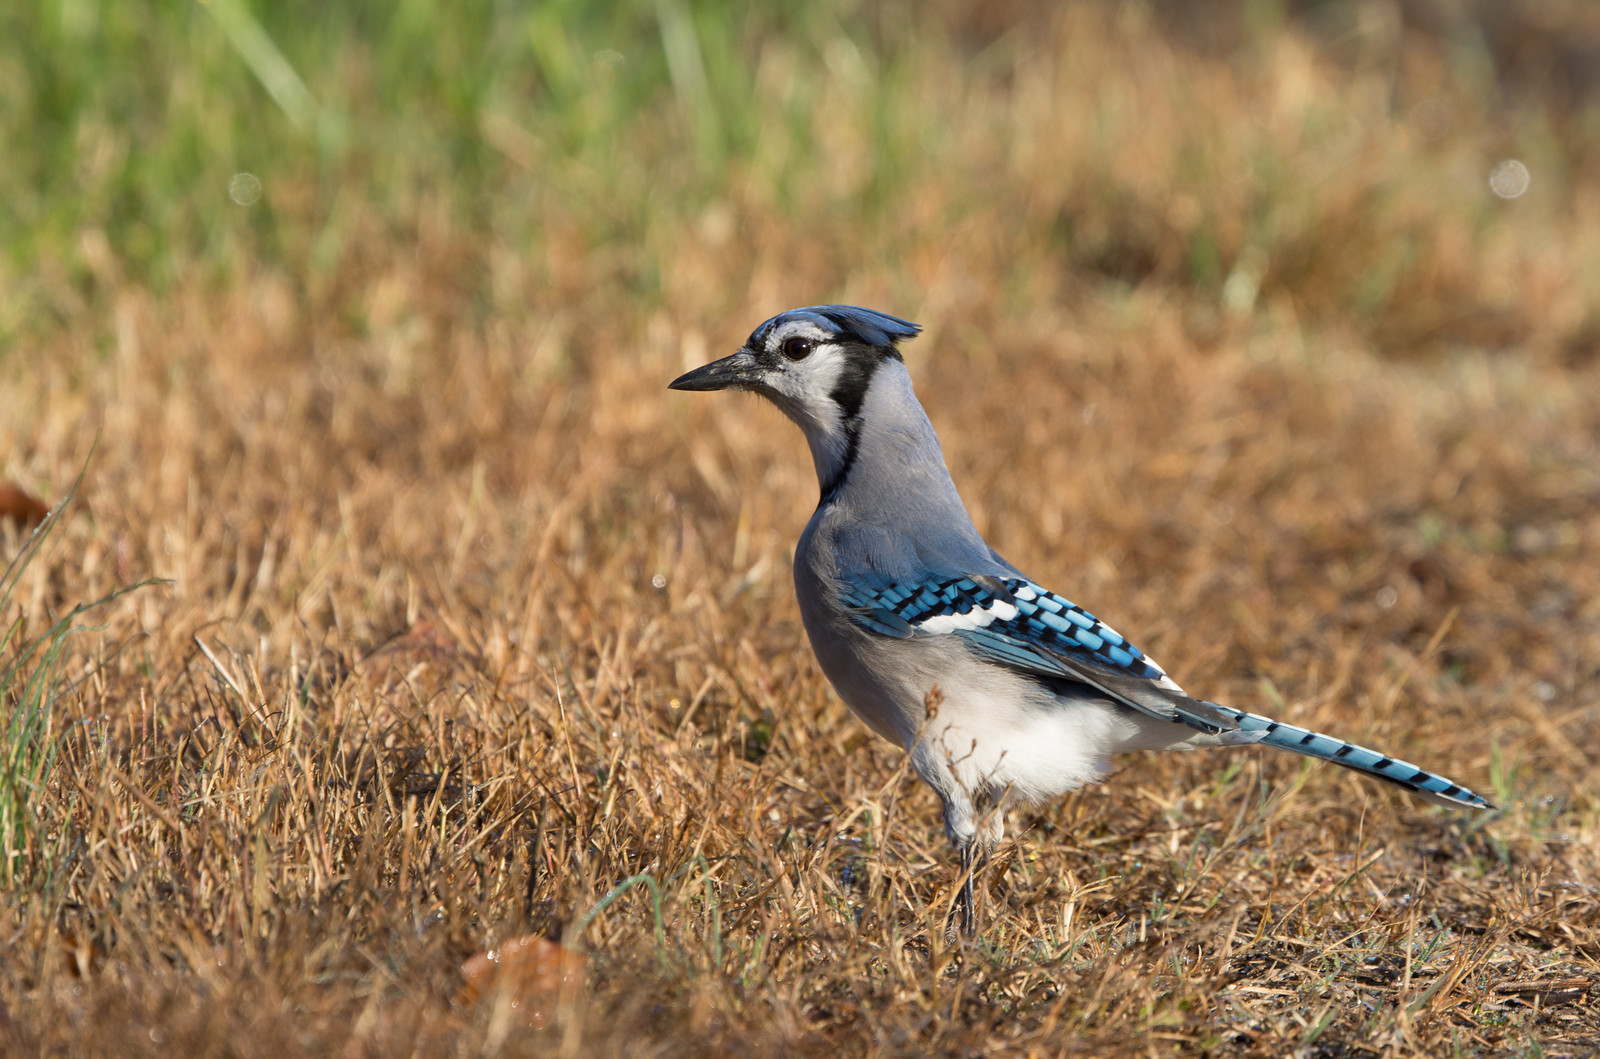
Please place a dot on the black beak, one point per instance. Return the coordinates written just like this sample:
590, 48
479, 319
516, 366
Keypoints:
738, 372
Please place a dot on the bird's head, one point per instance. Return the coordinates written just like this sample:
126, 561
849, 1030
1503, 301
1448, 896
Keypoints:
814, 363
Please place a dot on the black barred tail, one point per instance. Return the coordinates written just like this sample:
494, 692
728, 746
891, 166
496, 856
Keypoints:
1421, 782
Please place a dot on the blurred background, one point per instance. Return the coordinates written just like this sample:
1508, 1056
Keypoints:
1268, 330
1419, 172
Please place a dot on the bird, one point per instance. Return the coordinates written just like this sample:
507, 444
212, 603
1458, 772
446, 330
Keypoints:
999, 690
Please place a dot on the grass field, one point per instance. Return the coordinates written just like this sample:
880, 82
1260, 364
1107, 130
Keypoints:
469, 631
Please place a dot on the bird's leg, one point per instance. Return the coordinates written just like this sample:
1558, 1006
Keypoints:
975, 848
963, 921
961, 825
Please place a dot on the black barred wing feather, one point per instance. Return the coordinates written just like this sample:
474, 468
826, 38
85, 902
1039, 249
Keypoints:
1018, 616
1014, 622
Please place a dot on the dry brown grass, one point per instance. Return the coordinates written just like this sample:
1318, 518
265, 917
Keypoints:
469, 621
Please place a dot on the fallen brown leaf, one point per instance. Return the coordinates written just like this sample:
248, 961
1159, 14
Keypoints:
425, 650
531, 971
19, 508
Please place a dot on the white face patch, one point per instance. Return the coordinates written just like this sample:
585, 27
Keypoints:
804, 390
819, 375
976, 618
808, 384
796, 329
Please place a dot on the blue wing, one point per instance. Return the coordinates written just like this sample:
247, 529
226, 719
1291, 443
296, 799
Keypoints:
1013, 622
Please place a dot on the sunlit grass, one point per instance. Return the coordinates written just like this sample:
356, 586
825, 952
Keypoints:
474, 631
32, 686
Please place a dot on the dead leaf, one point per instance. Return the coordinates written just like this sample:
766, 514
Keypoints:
19, 508
422, 656
531, 972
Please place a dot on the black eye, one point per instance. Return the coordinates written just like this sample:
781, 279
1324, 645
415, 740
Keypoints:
797, 348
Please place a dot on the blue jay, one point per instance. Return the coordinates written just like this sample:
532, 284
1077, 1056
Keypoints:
998, 688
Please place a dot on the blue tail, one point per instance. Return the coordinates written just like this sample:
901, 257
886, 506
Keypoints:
1421, 782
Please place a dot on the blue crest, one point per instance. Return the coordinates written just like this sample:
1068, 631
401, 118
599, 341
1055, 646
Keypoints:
865, 325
